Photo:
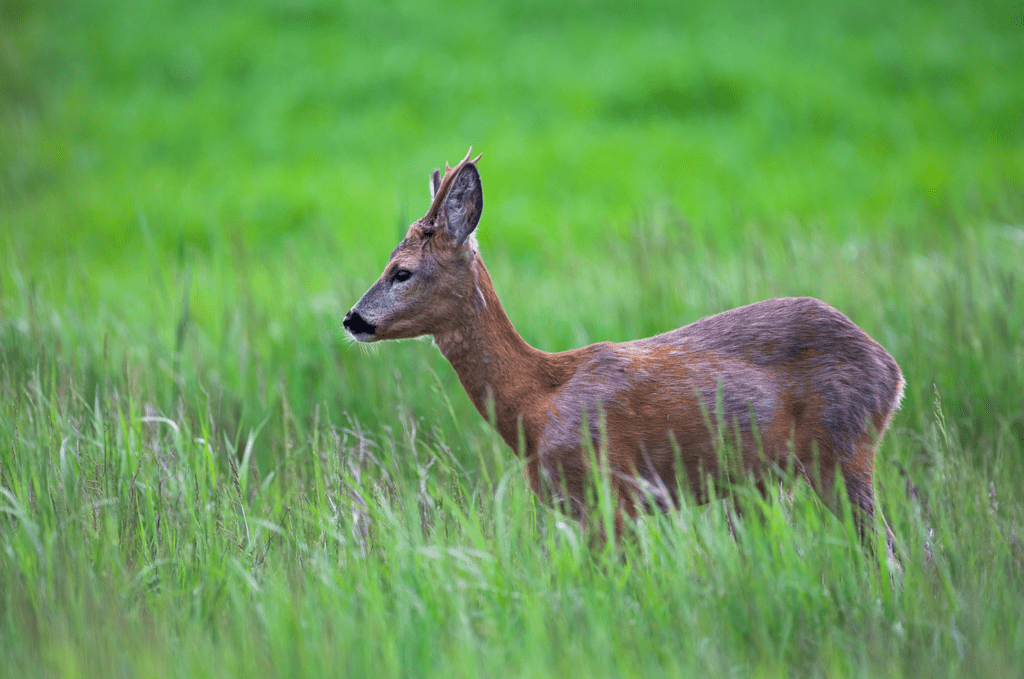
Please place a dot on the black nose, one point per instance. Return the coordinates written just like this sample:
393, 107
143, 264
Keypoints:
357, 325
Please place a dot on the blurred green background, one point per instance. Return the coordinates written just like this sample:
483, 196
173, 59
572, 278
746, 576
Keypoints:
218, 178
192, 194
276, 123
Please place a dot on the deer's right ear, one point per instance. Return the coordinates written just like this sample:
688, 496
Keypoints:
464, 204
435, 183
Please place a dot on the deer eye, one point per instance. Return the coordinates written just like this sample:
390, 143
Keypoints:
402, 275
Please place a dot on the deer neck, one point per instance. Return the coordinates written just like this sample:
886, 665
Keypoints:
495, 364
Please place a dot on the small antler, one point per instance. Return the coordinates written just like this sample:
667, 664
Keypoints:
450, 173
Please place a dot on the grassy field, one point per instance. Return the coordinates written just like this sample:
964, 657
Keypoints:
199, 476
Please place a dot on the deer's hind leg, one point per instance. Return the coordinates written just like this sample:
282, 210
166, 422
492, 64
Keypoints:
858, 476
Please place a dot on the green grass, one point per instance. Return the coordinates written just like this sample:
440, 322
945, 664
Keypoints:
200, 477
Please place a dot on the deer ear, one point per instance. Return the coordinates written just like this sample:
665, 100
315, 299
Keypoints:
435, 183
464, 204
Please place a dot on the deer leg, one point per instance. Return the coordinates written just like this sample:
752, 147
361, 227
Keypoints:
858, 475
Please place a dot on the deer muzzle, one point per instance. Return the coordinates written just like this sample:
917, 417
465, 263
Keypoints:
360, 328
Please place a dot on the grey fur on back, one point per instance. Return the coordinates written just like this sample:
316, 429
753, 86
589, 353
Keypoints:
811, 349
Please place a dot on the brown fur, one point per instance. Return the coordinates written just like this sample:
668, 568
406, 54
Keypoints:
781, 381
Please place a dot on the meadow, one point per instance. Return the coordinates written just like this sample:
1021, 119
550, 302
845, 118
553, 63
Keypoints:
201, 476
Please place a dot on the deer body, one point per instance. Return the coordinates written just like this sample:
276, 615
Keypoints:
783, 380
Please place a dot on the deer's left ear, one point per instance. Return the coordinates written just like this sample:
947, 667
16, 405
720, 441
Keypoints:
464, 204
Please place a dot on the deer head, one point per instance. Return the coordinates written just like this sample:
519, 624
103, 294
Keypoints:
429, 274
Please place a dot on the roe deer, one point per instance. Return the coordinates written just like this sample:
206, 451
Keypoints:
795, 380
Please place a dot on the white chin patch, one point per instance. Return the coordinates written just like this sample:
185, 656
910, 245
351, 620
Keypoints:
363, 336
